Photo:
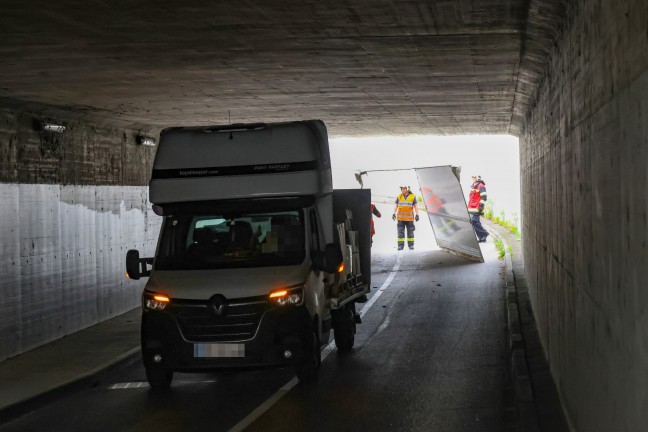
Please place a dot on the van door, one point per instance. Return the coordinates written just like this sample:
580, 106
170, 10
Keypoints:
447, 211
318, 280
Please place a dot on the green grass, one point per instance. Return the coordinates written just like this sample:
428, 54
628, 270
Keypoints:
501, 219
500, 247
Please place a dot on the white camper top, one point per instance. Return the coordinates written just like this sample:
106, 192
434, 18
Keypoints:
241, 161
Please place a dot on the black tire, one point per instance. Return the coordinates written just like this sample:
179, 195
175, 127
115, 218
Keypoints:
344, 328
159, 378
308, 368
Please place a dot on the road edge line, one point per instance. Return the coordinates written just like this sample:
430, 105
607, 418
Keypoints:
276, 397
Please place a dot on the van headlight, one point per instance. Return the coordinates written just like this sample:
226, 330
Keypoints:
154, 301
288, 296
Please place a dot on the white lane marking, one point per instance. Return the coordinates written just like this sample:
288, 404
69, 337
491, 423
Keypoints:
247, 421
384, 286
137, 385
265, 406
128, 385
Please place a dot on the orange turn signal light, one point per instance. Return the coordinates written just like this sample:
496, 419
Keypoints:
341, 268
279, 293
161, 298
288, 296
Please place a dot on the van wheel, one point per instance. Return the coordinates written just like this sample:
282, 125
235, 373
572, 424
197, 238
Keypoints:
308, 368
158, 378
344, 328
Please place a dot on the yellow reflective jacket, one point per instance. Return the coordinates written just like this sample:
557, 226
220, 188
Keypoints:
406, 207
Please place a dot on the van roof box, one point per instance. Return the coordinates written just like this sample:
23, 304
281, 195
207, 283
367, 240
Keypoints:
252, 160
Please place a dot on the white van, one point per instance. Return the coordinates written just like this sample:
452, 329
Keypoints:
258, 257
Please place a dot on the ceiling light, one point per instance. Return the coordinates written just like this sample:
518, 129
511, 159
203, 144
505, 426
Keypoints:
144, 140
51, 127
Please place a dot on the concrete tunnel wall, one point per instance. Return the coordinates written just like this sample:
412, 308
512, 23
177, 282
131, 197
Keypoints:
72, 205
584, 182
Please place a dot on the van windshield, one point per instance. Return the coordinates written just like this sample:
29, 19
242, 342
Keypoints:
256, 239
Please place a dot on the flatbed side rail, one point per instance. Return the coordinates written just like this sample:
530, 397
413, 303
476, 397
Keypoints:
355, 291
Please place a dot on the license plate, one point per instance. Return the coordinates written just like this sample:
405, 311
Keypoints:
213, 350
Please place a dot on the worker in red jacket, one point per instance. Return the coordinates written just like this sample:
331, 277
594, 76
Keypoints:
374, 212
476, 202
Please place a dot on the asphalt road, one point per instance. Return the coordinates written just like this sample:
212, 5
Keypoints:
430, 355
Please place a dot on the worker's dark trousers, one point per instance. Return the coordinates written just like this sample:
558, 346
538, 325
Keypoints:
400, 228
479, 229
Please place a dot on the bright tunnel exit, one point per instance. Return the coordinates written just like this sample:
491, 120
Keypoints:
390, 162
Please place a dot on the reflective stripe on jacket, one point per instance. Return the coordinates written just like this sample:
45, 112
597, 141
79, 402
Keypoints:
406, 207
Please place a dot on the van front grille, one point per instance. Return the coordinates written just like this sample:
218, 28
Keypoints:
238, 322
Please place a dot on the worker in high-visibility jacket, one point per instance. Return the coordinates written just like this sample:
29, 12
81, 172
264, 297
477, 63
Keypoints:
404, 210
476, 203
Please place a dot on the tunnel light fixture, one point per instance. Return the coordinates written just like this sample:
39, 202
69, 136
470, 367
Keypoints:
144, 140
52, 127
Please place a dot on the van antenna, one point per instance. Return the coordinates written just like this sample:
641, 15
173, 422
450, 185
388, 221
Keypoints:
229, 117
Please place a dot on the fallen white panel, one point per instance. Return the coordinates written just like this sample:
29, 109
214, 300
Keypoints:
447, 211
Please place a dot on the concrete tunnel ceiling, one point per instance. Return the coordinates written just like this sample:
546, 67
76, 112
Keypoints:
371, 67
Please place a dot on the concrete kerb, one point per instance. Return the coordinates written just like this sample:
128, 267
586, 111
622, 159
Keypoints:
520, 377
88, 380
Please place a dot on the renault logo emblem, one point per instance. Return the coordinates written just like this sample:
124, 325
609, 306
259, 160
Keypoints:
218, 304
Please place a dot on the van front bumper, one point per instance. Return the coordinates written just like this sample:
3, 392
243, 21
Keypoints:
171, 341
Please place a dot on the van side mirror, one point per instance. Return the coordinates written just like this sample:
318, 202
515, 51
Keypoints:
329, 260
137, 267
